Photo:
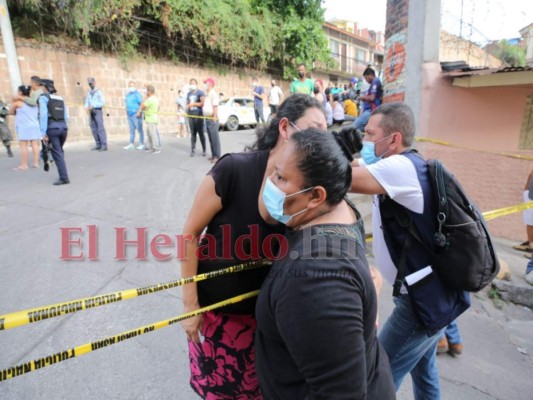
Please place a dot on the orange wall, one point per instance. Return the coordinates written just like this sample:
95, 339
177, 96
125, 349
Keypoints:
489, 118
485, 119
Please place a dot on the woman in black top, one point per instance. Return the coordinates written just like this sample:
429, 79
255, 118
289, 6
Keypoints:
316, 312
223, 365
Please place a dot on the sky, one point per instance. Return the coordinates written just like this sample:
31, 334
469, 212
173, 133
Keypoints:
483, 20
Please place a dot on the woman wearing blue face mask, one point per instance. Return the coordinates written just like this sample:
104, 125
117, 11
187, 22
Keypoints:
226, 203
316, 312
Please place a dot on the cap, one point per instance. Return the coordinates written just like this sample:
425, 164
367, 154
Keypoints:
90, 80
354, 80
210, 80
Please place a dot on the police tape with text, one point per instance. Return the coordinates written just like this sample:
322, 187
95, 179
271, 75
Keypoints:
29, 316
78, 351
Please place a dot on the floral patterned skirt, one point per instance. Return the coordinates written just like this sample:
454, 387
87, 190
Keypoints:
223, 366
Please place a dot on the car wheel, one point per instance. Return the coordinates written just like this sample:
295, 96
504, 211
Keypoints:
233, 123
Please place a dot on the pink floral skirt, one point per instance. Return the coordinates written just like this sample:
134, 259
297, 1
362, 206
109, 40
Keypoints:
223, 366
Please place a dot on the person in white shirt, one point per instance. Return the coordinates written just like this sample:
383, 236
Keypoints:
393, 173
211, 123
275, 96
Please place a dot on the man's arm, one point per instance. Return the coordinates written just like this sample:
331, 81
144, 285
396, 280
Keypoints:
32, 100
364, 182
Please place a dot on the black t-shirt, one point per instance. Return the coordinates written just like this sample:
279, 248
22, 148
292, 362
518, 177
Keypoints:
194, 97
316, 315
237, 232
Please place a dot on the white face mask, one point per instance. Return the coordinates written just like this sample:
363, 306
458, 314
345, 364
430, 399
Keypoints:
131, 89
192, 88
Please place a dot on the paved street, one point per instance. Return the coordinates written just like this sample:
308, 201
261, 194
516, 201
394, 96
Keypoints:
132, 189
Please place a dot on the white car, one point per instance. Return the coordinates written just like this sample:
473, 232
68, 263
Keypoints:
238, 111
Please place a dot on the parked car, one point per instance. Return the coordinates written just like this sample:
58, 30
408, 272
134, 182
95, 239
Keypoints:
238, 111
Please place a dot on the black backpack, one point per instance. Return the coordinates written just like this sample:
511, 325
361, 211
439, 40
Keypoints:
463, 254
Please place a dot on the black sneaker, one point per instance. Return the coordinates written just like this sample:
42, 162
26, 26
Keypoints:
61, 182
96, 148
102, 149
9, 152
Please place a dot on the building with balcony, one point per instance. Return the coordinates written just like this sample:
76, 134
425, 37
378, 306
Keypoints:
352, 49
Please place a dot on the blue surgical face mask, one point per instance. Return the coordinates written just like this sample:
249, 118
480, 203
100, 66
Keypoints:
368, 152
274, 199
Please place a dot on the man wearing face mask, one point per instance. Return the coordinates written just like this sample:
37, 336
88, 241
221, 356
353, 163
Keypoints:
93, 104
302, 84
274, 98
195, 104
134, 100
258, 93
398, 178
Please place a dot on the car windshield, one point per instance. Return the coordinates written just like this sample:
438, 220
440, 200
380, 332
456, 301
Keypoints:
222, 102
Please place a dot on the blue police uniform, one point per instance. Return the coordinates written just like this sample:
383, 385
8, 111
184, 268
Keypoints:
95, 99
54, 125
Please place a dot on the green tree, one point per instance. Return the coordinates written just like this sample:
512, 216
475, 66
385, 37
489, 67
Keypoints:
276, 34
511, 54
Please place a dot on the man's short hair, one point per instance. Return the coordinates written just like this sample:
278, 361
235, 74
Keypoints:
193, 80
302, 65
369, 71
150, 89
397, 117
36, 79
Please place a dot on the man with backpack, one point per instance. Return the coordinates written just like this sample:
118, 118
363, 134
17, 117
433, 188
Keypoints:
399, 180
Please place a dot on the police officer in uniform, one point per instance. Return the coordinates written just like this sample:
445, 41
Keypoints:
53, 120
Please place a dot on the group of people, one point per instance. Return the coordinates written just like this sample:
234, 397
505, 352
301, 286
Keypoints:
312, 332
40, 117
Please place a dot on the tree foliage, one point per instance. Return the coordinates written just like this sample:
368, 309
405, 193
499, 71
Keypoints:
511, 54
256, 33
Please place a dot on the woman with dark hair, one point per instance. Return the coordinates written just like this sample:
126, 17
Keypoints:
226, 203
27, 128
316, 312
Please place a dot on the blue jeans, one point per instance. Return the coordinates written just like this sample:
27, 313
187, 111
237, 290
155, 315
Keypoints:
213, 136
410, 350
135, 123
452, 334
362, 120
529, 267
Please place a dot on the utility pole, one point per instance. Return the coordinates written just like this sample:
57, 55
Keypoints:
9, 47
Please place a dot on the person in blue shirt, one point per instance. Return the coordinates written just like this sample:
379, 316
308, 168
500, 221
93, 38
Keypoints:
53, 119
258, 92
93, 103
133, 102
371, 99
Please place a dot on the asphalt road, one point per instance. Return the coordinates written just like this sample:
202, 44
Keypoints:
132, 189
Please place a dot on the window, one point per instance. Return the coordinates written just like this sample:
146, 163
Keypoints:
334, 46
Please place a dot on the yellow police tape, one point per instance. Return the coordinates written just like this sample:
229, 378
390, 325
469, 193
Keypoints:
488, 215
29, 316
46, 361
444, 143
506, 211
159, 113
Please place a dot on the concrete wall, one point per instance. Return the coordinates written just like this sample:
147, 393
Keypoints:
488, 118
70, 71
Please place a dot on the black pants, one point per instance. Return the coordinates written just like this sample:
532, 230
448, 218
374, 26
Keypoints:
58, 136
197, 127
